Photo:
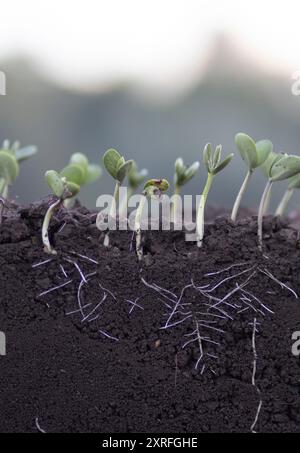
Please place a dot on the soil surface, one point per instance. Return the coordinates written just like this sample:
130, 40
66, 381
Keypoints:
97, 342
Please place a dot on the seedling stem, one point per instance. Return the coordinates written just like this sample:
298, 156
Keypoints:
261, 211
201, 209
284, 202
152, 188
137, 227
45, 234
113, 207
240, 195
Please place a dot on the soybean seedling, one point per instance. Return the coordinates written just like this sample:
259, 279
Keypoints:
152, 188
280, 167
10, 157
81, 172
136, 177
118, 168
254, 155
214, 165
182, 175
63, 189
294, 183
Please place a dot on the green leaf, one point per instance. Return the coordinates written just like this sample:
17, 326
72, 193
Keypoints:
285, 167
80, 159
269, 162
191, 171
9, 167
94, 172
247, 150
264, 149
294, 182
223, 164
217, 156
207, 153
15, 146
55, 183
74, 173
25, 153
112, 161
123, 170
72, 189
6, 144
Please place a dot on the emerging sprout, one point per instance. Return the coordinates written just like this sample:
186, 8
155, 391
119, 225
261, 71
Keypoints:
254, 155
135, 179
214, 165
278, 168
152, 188
182, 175
294, 183
118, 168
81, 172
10, 157
65, 186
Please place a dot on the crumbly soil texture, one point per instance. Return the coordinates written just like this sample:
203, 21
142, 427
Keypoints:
188, 341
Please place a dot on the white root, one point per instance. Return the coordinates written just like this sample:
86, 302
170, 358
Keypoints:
41, 263
105, 334
255, 357
54, 289
37, 424
281, 284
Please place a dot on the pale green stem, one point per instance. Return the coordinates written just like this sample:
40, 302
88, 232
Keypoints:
261, 211
174, 207
137, 227
69, 202
113, 210
201, 209
240, 195
45, 233
267, 203
284, 202
125, 202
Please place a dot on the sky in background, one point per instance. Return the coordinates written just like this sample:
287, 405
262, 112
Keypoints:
159, 44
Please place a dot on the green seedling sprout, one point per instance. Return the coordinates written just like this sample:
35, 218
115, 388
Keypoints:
63, 189
81, 172
278, 168
118, 168
294, 183
182, 175
254, 155
10, 157
152, 188
136, 177
214, 165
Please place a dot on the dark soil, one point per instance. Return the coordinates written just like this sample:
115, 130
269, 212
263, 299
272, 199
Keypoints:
120, 370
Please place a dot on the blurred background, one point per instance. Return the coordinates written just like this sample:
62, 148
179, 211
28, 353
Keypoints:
153, 79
